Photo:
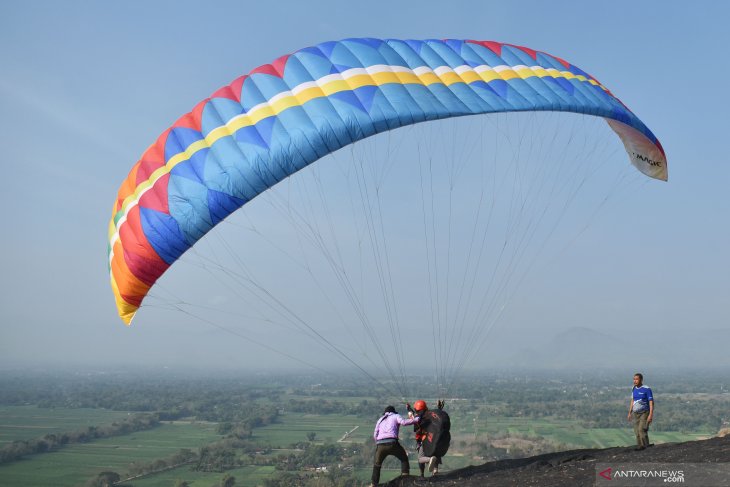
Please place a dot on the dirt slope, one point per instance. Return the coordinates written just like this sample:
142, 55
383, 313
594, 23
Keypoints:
572, 468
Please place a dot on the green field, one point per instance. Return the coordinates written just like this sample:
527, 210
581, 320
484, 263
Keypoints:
567, 432
245, 477
293, 428
72, 465
28, 422
252, 476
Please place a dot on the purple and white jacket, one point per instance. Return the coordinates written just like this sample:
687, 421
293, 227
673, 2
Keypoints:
387, 427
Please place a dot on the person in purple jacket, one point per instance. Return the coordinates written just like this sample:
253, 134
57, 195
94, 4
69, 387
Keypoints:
386, 441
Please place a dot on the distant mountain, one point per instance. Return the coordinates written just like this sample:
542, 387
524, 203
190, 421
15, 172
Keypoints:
588, 348
576, 347
583, 467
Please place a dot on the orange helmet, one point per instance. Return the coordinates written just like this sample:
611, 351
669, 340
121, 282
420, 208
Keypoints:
420, 405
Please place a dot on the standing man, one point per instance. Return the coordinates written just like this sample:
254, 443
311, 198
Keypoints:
642, 407
386, 440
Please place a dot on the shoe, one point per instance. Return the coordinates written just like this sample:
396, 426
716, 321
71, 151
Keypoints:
435, 472
639, 448
432, 464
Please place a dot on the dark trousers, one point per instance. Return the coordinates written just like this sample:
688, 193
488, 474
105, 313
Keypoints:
641, 428
382, 451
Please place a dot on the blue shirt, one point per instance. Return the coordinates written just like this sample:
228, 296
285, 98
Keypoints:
641, 396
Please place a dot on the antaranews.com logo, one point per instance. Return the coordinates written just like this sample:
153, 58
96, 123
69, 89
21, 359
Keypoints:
648, 474
667, 475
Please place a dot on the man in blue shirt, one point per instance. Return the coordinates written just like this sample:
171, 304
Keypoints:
642, 408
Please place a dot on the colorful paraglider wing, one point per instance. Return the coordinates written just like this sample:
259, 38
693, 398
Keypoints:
282, 116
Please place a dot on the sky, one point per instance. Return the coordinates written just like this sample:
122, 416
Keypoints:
86, 87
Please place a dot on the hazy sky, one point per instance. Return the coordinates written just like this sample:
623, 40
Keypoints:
85, 87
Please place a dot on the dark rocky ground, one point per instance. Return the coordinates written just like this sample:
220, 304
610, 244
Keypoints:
571, 468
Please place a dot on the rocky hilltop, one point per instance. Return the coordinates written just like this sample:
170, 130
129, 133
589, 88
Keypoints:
573, 468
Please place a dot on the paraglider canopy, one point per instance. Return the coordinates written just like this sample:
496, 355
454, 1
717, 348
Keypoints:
282, 116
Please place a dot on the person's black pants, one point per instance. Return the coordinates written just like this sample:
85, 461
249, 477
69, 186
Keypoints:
385, 449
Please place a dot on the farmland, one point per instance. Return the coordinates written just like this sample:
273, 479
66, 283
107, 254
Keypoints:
26, 422
72, 465
269, 432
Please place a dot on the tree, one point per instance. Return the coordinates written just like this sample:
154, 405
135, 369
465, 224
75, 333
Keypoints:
104, 479
311, 436
228, 480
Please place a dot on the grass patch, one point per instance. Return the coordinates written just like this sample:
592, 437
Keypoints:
249, 476
293, 428
74, 464
29, 422
568, 432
